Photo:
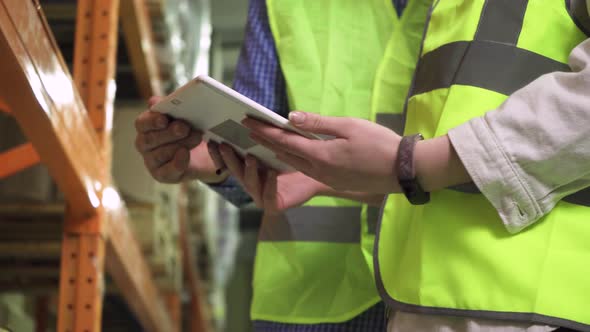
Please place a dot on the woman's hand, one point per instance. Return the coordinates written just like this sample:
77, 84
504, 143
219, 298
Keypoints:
360, 157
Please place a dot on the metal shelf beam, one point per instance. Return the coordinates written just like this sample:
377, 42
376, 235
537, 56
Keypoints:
132, 275
47, 105
135, 22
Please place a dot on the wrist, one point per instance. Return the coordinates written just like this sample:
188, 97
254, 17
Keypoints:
437, 164
202, 167
212, 178
206, 175
367, 198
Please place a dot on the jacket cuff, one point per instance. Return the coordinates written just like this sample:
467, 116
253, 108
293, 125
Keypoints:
494, 174
231, 190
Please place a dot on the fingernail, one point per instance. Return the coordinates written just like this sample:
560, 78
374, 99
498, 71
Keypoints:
297, 118
161, 122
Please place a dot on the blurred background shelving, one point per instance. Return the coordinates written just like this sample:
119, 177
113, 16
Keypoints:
171, 254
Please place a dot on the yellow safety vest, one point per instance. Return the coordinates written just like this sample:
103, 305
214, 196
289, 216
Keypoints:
309, 264
453, 255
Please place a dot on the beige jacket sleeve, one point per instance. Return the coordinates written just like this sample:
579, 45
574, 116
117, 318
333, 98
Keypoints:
535, 148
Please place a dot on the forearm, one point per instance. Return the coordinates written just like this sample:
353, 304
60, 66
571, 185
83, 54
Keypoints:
367, 198
437, 164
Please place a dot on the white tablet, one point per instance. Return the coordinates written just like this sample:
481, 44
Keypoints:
217, 111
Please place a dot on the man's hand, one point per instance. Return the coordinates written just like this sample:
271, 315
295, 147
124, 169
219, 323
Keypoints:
171, 150
270, 191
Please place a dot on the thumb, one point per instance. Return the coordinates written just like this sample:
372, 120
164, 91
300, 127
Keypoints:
318, 124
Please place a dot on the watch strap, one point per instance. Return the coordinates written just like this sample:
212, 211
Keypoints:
406, 171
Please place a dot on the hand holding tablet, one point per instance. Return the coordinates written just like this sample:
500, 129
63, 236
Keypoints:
217, 111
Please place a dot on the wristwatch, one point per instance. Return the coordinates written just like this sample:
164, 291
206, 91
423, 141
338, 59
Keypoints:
406, 171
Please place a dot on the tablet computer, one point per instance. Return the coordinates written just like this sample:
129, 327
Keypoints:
217, 111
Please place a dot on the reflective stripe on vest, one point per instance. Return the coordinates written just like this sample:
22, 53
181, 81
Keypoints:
314, 224
393, 121
483, 64
453, 256
373, 218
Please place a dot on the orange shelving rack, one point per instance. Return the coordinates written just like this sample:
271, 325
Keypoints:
68, 122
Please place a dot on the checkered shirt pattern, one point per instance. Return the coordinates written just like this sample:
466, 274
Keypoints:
372, 320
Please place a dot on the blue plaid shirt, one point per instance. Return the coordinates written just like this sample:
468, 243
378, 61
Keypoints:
259, 77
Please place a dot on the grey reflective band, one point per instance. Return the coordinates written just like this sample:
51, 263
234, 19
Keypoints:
393, 121
492, 66
491, 61
578, 10
466, 188
501, 21
314, 224
581, 197
373, 214
481, 314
